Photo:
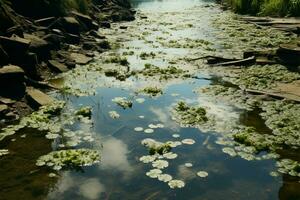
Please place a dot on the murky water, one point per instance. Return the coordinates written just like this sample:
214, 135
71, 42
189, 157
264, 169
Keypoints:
120, 174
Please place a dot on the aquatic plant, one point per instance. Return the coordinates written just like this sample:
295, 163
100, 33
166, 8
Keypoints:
264, 77
202, 174
231, 95
288, 166
188, 141
176, 184
40, 119
164, 177
69, 158
148, 158
114, 114
138, 129
145, 55
152, 91
123, 102
156, 147
188, 115
3, 152
170, 155
85, 111
154, 173
149, 130
163, 73
160, 164
118, 60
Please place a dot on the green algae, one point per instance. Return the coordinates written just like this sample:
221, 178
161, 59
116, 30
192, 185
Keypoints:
156, 147
164, 73
85, 111
231, 95
118, 60
40, 119
123, 102
3, 152
189, 115
69, 158
145, 55
264, 77
288, 166
152, 91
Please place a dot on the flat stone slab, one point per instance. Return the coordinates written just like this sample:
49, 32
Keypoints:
38, 98
80, 58
57, 66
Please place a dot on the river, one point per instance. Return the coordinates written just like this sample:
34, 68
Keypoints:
173, 30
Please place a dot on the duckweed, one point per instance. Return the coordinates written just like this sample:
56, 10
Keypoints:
164, 73
152, 91
3, 152
123, 102
188, 115
69, 158
264, 77
156, 147
84, 112
176, 184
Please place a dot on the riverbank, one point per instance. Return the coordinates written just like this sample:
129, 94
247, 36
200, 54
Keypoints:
37, 44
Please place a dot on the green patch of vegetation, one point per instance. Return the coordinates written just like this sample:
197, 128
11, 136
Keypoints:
264, 77
164, 73
156, 147
116, 59
84, 112
128, 53
152, 91
123, 102
145, 55
190, 116
69, 158
266, 7
250, 137
288, 166
231, 95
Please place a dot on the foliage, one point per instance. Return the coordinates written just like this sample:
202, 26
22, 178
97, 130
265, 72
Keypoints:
266, 7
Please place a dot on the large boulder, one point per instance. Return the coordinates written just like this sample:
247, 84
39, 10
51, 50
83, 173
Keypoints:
12, 81
68, 24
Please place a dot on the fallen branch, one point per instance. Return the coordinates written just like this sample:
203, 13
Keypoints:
246, 61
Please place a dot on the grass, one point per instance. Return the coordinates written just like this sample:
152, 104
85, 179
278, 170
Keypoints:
277, 8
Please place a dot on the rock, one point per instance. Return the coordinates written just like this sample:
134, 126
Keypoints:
36, 98
96, 34
104, 44
3, 57
11, 72
72, 39
80, 58
12, 81
29, 63
38, 45
3, 109
57, 66
54, 40
14, 46
15, 30
105, 24
289, 54
90, 46
45, 21
123, 27
6, 100
71, 25
85, 20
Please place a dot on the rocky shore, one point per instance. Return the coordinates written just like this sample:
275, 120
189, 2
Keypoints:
33, 49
